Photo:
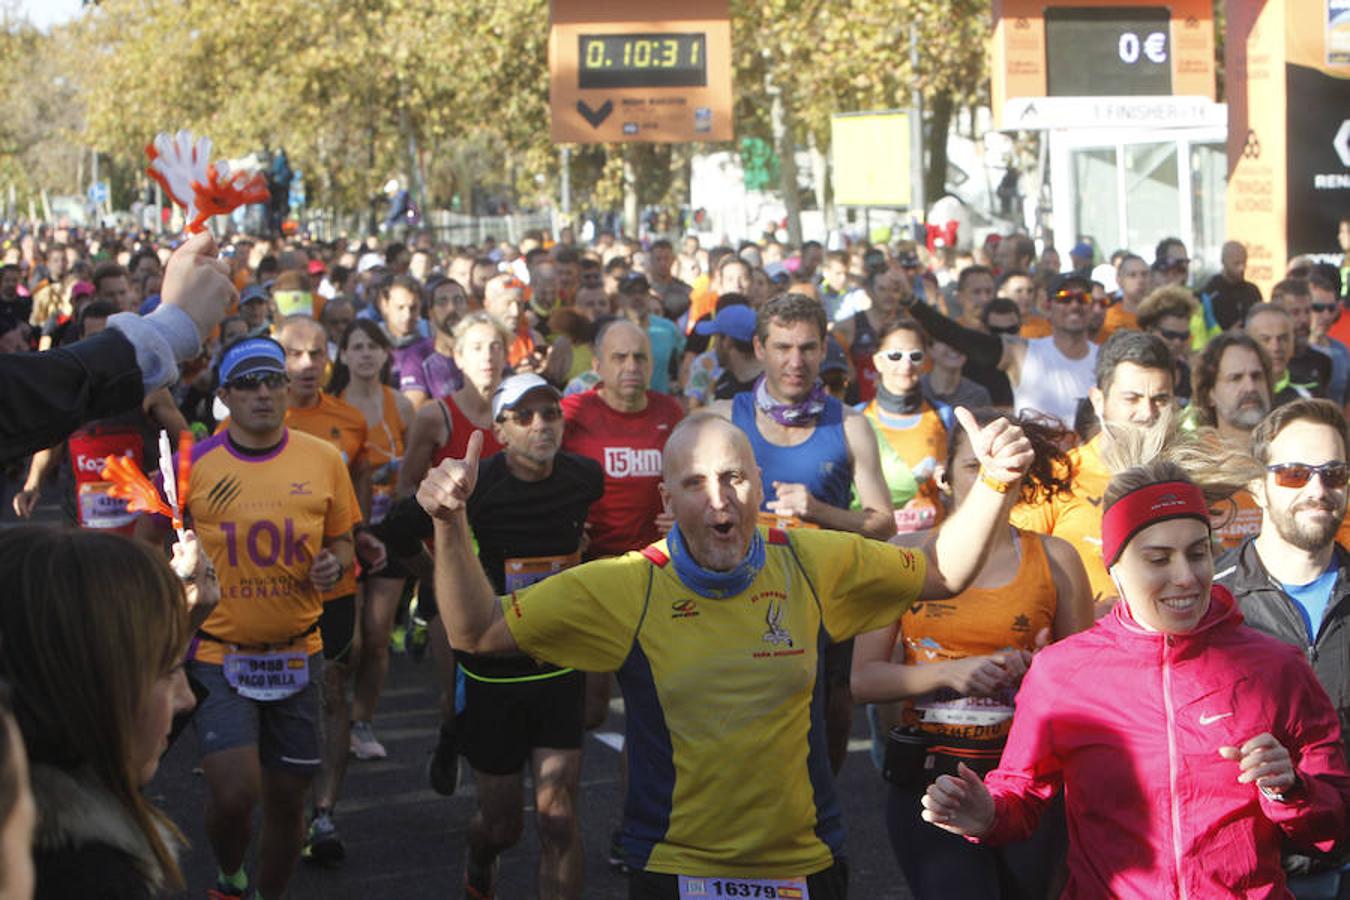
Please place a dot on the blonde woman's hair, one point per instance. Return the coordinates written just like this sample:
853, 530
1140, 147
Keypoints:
1141, 455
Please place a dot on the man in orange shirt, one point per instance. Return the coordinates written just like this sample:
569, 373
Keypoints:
343, 426
1134, 385
274, 509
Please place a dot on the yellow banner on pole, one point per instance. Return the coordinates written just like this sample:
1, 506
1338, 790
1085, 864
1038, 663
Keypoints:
870, 157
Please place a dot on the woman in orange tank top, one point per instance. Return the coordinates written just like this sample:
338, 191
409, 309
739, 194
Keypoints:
361, 378
947, 673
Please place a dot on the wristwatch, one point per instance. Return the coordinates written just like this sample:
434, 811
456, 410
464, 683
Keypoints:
1285, 795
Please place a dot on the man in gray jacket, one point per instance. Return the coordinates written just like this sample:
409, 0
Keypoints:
1292, 580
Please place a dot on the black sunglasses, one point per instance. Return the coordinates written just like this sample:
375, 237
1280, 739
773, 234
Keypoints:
273, 380
1170, 335
525, 417
1324, 307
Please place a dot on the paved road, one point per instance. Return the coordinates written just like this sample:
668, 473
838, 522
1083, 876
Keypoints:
404, 841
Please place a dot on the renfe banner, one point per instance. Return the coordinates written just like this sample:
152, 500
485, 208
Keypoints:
1288, 79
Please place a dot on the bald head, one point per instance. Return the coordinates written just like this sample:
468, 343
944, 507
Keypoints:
306, 346
298, 327
712, 486
623, 360
622, 331
1233, 258
692, 432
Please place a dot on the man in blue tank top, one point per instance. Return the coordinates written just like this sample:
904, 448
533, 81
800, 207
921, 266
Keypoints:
811, 450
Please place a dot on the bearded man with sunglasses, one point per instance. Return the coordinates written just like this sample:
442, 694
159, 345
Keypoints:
1292, 580
1047, 374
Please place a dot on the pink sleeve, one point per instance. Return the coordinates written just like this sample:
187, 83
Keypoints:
1029, 774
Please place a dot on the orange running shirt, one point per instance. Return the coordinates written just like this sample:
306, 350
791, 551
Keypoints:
335, 421
384, 454
344, 427
262, 520
920, 441
976, 622
1117, 317
1238, 519
1077, 518
1035, 327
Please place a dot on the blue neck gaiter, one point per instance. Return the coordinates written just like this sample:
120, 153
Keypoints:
715, 585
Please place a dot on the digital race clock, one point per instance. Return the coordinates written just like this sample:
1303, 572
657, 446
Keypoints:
1094, 51
642, 60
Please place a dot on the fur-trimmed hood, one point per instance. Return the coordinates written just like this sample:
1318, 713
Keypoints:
74, 811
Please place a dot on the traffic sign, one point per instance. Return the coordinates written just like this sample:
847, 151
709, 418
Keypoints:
98, 193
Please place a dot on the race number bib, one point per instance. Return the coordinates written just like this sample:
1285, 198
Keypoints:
773, 520
99, 510
267, 676
779, 888
523, 571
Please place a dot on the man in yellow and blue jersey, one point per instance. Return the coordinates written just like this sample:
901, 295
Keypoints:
716, 633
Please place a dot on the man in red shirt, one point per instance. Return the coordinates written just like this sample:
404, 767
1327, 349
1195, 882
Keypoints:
622, 425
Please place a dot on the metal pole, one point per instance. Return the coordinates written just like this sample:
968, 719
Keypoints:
566, 154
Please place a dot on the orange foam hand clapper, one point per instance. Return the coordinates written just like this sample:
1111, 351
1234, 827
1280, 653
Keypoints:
130, 484
181, 163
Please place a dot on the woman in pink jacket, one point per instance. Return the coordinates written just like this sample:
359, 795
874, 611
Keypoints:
1187, 744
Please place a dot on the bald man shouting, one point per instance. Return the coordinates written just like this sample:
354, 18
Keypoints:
716, 634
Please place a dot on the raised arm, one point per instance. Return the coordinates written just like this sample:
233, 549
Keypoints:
1004, 351
961, 545
428, 432
468, 607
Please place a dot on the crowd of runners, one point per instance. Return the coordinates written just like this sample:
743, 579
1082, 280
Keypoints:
1071, 532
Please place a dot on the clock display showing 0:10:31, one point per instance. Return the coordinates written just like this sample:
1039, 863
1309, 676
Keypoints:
642, 60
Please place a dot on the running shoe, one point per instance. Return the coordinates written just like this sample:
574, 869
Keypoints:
322, 843
443, 769
616, 858
415, 632
223, 891
398, 641
363, 743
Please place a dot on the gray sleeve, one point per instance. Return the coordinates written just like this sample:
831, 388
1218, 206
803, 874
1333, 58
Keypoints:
162, 339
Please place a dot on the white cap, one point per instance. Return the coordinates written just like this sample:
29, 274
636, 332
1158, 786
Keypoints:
512, 390
1105, 275
369, 261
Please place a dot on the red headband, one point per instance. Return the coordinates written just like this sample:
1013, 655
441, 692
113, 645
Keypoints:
1146, 506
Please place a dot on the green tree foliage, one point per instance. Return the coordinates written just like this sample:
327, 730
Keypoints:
350, 87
